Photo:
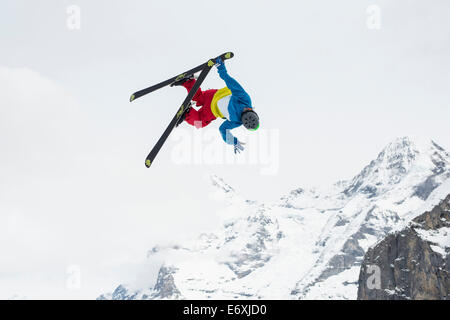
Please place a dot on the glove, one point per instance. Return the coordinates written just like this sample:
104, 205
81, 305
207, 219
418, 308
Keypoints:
238, 146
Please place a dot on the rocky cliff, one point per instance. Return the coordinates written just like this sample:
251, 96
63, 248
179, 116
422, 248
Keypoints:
413, 263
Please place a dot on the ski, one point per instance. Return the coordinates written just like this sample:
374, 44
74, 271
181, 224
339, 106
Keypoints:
184, 107
143, 92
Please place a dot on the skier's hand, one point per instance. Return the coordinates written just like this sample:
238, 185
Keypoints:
238, 146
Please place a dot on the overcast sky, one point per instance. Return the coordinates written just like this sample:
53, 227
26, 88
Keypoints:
332, 81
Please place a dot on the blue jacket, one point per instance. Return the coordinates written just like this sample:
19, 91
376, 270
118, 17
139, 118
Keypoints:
238, 101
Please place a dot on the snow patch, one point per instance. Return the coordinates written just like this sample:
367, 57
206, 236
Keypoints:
440, 239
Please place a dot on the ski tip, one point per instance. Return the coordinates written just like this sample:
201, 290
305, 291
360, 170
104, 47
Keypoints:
132, 98
148, 163
229, 55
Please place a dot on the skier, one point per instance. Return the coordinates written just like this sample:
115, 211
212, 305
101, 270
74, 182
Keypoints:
231, 103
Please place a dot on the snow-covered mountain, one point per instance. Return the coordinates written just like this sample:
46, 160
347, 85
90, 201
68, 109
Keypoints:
307, 245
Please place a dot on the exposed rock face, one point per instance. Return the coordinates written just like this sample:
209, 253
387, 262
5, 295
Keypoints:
413, 263
164, 288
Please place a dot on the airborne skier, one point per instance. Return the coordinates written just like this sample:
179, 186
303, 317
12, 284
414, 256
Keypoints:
231, 103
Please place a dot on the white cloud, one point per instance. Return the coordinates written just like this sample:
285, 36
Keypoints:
67, 199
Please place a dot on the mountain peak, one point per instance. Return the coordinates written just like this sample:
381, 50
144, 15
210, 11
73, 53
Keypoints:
401, 154
417, 158
408, 148
407, 151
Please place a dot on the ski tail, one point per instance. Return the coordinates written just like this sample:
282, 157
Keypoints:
143, 92
165, 83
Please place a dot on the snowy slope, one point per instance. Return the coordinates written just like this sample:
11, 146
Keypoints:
307, 245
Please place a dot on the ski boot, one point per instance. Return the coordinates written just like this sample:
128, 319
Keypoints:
183, 78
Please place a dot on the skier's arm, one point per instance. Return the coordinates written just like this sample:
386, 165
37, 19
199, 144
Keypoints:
232, 84
226, 134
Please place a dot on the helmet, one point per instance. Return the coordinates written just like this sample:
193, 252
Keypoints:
250, 120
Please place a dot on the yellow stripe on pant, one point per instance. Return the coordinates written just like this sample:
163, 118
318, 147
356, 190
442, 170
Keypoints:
221, 93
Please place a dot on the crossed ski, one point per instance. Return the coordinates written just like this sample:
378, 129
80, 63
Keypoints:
204, 68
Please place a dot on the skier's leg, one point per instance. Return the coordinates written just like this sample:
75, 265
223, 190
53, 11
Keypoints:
198, 97
193, 117
202, 117
199, 118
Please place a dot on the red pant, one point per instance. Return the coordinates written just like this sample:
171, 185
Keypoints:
204, 115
